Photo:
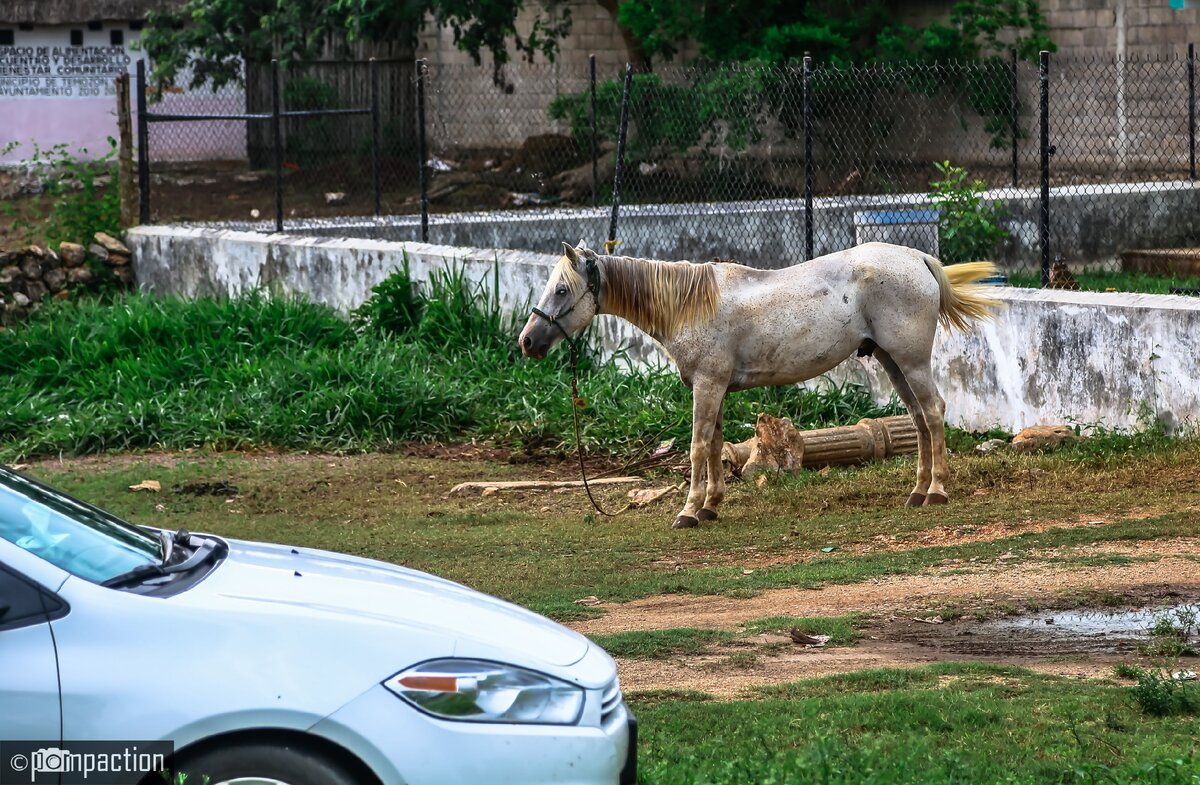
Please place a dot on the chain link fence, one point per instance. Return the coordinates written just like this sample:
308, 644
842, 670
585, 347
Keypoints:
1066, 172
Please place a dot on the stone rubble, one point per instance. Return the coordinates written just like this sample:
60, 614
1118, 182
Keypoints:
31, 275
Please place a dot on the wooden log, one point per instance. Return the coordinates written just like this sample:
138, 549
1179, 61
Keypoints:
126, 174
538, 485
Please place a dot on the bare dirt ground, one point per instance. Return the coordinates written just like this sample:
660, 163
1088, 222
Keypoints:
897, 637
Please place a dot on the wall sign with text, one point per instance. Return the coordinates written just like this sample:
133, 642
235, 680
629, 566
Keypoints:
61, 71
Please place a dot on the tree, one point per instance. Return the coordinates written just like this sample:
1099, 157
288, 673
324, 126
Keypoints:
837, 32
213, 38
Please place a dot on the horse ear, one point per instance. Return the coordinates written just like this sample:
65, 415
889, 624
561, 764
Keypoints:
570, 252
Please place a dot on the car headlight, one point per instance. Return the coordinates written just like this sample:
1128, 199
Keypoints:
488, 692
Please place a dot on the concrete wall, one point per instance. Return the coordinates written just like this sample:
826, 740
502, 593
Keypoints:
1048, 356
1089, 225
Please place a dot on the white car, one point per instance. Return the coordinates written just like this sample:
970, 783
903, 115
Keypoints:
269, 664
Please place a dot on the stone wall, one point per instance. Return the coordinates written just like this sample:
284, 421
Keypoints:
32, 275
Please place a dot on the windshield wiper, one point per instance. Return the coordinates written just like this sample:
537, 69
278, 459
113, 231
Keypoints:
206, 550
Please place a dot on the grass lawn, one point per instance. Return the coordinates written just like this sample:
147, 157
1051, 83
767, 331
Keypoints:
946, 723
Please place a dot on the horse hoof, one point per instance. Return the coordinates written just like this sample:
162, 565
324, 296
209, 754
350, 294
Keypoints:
685, 522
935, 498
706, 514
915, 500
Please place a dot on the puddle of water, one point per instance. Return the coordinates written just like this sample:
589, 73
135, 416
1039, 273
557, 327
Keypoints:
1133, 624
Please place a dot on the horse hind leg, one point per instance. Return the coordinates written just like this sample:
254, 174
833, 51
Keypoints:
714, 491
920, 381
911, 402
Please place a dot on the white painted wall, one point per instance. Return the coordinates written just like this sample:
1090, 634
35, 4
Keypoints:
1048, 356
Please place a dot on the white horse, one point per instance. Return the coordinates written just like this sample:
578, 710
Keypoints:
730, 327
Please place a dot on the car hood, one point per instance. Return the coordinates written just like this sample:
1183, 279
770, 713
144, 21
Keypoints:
279, 579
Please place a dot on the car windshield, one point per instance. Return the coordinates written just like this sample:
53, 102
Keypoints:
74, 536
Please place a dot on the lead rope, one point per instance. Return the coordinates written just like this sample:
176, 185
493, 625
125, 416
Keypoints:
578, 440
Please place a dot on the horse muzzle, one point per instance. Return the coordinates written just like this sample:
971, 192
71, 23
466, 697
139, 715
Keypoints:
533, 343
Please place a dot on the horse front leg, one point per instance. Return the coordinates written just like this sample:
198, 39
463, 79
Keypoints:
714, 491
706, 404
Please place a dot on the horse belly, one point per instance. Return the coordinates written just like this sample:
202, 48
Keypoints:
767, 364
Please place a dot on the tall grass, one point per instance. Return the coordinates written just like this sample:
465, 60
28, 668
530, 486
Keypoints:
437, 362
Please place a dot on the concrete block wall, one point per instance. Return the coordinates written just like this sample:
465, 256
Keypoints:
1048, 356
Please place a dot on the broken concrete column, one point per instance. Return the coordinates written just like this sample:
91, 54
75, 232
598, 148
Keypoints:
779, 446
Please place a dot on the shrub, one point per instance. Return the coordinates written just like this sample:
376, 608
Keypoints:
968, 226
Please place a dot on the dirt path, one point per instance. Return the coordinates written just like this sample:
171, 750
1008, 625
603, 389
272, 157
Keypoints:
992, 583
894, 639
718, 676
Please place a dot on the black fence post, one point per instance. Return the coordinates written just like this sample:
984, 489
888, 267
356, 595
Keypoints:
595, 165
806, 97
143, 136
1191, 68
616, 200
277, 136
1014, 110
1044, 213
421, 157
375, 134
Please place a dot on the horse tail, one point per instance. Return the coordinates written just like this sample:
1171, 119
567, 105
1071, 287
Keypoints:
963, 300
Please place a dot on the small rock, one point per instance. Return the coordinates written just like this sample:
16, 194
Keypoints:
51, 260
588, 601
32, 251
9, 273
36, 290
31, 268
1043, 436
335, 198
98, 251
55, 280
72, 253
117, 259
80, 275
110, 243
63, 295
21, 300
490, 492
991, 445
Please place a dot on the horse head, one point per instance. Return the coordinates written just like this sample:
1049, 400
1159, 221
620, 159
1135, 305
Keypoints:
568, 304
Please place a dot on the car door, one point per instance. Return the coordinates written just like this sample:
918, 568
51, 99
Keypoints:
28, 661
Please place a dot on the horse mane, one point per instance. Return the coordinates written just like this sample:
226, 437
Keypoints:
659, 297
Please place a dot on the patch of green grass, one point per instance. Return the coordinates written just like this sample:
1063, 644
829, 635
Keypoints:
438, 362
656, 644
842, 630
943, 723
1103, 280
1159, 694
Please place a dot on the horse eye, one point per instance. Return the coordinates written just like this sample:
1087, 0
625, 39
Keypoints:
560, 291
